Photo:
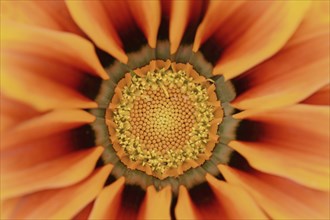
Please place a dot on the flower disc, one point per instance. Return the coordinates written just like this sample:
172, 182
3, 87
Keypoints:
162, 121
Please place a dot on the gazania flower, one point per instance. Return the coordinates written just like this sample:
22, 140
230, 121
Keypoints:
164, 110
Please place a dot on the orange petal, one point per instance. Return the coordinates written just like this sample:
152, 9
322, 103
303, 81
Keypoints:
228, 195
178, 23
49, 123
37, 151
147, 15
83, 214
65, 48
156, 205
280, 198
11, 113
259, 39
299, 69
284, 148
184, 208
60, 172
213, 20
24, 80
107, 203
321, 97
92, 19
62, 203
50, 14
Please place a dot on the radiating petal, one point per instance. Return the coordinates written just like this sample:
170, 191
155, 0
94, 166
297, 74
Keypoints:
213, 19
25, 79
147, 15
321, 97
156, 205
200, 203
49, 123
178, 22
184, 208
263, 39
237, 203
11, 113
92, 19
59, 172
62, 203
108, 202
280, 198
293, 74
294, 144
261, 29
65, 48
84, 213
47, 14
37, 151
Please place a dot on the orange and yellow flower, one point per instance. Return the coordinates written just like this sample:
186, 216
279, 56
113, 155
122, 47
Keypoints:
165, 109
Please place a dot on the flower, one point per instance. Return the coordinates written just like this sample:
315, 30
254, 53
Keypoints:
159, 110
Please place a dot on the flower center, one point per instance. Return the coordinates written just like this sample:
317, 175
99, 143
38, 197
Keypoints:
161, 122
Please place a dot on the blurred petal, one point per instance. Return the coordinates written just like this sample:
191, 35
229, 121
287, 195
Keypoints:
184, 208
294, 144
92, 19
108, 202
147, 15
11, 113
178, 22
47, 14
65, 48
280, 198
62, 203
25, 78
303, 62
49, 123
237, 203
37, 151
83, 214
261, 29
60, 172
156, 205
321, 97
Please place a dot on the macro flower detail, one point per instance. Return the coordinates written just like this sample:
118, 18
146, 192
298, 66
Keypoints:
165, 110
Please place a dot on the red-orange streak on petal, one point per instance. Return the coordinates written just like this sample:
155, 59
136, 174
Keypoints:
36, 151
66, 48
60, 172
92, 19
11, 113
107, 203
42, 83
178, 23
47, 124
280, 198
47, 14
83, 214
213, 19
62, 203
294, 144
156, 205
147, 15
237, 203
184, 208
321, 97
264, 37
